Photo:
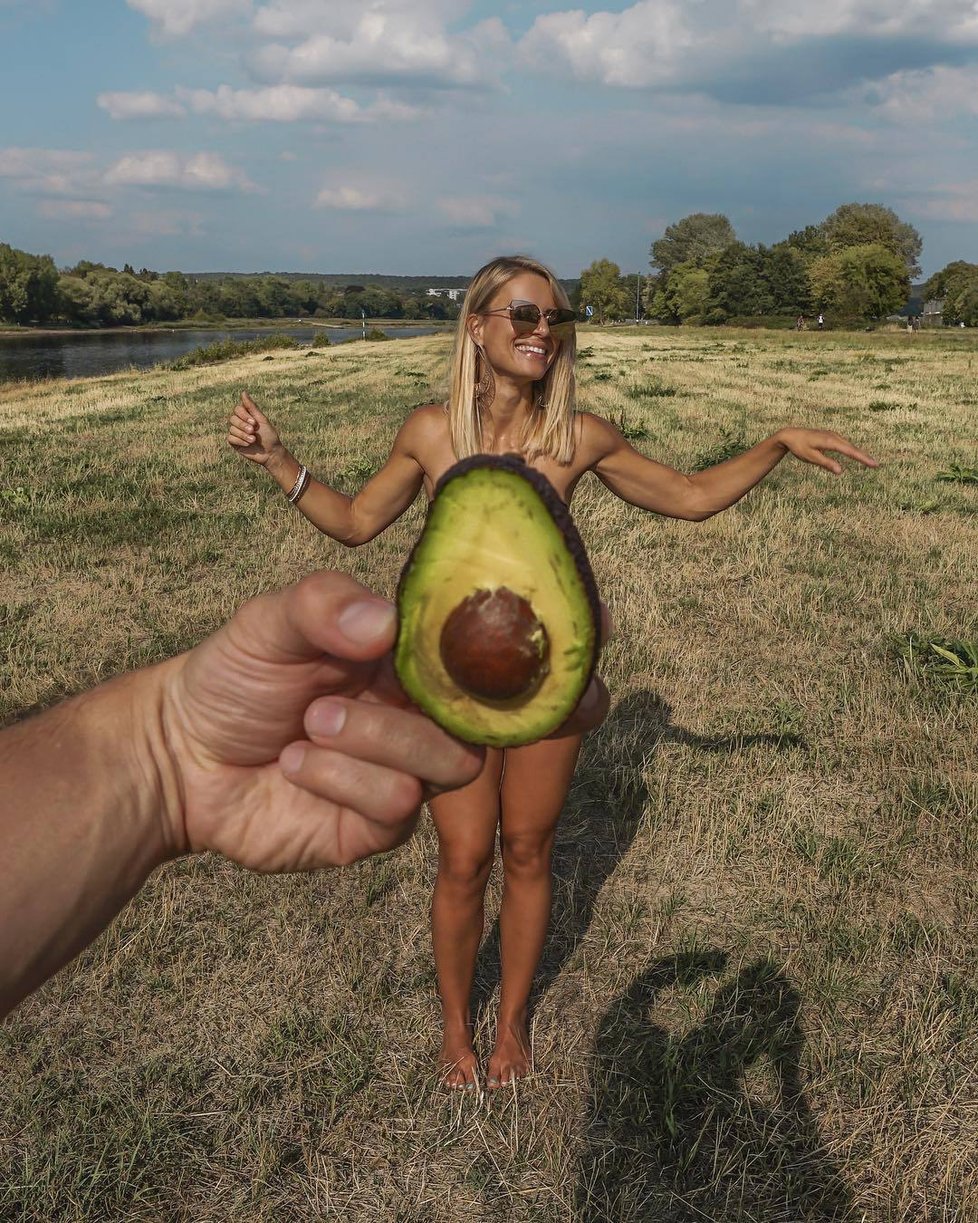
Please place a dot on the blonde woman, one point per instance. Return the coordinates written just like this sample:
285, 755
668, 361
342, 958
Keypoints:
512, 390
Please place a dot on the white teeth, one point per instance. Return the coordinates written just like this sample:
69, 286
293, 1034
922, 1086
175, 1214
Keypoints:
540, 352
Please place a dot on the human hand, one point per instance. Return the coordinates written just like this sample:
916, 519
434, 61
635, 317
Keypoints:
251, 433
290, 743
810, 445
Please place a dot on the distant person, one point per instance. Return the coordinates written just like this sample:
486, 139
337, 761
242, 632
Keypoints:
821, 322
800, 323
512, 390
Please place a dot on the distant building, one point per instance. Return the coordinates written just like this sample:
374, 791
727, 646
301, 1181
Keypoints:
451, 294
932, 314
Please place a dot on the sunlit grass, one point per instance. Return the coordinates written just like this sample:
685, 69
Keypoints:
758, 1001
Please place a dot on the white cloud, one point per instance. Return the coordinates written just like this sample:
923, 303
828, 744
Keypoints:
662, 43
351, 198
177, 18
275, 103
386, 42
165, 168
140, 105
633, 48
951, 20
272, 104
931, 93
475, 211
49, 171
74, 210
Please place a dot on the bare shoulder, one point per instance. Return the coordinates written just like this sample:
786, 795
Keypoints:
597, 437
424, 425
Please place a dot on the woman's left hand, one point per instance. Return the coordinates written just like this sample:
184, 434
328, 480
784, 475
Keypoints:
810, 445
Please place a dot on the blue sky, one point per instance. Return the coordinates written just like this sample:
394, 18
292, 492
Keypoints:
425, 136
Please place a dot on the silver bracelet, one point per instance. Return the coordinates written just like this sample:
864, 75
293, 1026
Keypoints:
299, 487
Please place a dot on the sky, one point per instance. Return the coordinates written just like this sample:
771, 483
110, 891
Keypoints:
417, 137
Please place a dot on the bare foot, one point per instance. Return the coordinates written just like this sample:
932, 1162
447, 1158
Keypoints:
510, 1058
460, 1070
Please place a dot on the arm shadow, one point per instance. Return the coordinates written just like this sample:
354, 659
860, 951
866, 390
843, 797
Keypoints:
713, 1124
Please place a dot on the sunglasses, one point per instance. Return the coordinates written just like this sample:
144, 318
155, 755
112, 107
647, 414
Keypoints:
525, 317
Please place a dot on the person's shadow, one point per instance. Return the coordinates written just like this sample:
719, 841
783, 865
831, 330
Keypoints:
601, 816
713, 1124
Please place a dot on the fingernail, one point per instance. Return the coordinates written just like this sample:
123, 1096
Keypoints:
325, 718
291, 758
366, 621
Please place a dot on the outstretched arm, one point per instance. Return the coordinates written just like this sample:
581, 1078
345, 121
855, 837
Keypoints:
280, 742
349, 520
283, 742
654, 486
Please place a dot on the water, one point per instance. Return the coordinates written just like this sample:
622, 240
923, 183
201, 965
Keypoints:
83, 354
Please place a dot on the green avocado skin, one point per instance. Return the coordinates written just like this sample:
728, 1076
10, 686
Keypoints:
495, 522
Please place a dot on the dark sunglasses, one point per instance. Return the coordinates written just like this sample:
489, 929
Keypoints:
525, 317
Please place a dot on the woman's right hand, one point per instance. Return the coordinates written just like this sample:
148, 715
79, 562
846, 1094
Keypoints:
251, 433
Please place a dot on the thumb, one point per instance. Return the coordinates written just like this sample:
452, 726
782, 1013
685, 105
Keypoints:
253, 408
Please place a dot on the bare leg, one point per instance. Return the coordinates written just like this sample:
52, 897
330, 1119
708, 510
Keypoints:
534, 788
466, 822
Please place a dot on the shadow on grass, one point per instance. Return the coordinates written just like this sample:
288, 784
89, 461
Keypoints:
713, 1124
601, 816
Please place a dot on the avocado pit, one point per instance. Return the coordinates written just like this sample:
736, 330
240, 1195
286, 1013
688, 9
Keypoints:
494, 647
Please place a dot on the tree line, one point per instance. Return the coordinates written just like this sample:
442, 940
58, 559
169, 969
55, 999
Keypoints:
34, 292
854, 267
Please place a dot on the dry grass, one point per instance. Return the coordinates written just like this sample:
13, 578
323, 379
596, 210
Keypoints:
758, 1002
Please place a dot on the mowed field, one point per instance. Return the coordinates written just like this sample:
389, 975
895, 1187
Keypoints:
760, 997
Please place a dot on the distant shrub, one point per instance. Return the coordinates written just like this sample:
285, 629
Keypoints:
953, 662
728, 447
375, 333
771, 322
655, 388
228, 350
627, 429
956, 474
322, 340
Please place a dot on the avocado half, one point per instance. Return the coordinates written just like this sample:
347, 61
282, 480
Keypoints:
498, 612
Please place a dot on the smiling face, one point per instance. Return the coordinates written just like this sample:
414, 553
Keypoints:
522, 357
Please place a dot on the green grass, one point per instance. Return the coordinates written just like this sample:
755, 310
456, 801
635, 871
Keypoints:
758, 998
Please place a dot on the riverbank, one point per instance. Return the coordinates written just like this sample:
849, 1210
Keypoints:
11, 331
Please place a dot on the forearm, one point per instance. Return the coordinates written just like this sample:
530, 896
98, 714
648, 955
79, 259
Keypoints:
83, 823
719, 487
329, 511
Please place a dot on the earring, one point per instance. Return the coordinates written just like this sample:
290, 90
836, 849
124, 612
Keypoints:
485, 388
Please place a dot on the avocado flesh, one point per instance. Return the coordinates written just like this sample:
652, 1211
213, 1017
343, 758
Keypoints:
497, 524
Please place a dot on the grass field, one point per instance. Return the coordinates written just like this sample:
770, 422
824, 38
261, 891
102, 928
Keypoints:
759, 1000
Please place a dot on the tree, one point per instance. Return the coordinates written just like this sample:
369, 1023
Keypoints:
28, 286
602, 290
939, 284
682, 296
737, 284
873, 225
957, 285
860, 282
691, 240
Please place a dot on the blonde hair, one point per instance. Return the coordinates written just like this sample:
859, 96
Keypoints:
550, 428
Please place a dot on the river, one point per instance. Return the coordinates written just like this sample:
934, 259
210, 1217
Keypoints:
83, 354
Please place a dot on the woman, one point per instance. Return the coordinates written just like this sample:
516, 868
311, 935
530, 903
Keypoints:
512, 390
